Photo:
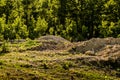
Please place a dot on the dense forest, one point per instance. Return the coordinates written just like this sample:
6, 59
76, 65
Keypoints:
74, 20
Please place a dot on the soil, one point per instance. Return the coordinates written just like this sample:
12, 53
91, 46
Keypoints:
99, 51
96, 44
51, 42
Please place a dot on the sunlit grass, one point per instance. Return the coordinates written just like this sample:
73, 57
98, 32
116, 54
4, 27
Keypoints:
24, 64
47, 65
19, 46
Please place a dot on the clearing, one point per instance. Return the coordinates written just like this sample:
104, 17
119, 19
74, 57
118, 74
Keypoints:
54, 58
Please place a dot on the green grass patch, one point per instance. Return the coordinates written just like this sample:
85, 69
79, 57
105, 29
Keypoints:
48, 65
18, 46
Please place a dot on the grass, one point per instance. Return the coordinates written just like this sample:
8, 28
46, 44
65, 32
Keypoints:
48, 65
18, 46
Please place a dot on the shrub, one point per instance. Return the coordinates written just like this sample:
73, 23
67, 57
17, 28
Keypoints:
1, 63
5, 47
30, 43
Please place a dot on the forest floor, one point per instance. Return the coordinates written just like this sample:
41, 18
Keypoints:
54, 58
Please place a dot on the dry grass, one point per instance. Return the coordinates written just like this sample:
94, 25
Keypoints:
23, 63
47, 65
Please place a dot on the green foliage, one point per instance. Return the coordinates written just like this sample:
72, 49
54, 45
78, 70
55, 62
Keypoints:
20, 28
30, 43
74, 20
118, 36
51, 30
1, 62
2, 2
41, 27
27, 44
2, 26
5, 47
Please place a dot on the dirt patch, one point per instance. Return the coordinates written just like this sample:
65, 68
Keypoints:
110, 55
96, 51
99, 51
95, 44
51, 42
110, 51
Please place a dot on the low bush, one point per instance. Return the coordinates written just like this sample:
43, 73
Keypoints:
5, 47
